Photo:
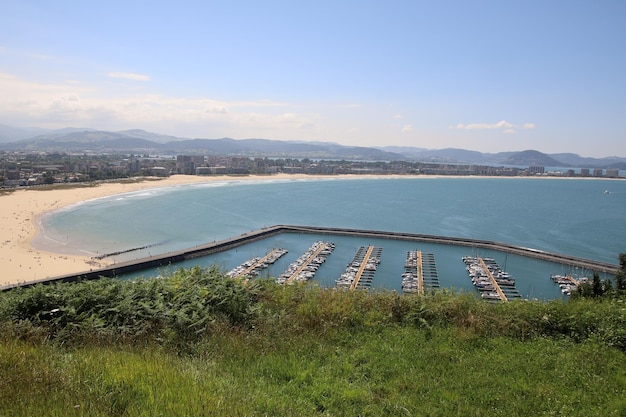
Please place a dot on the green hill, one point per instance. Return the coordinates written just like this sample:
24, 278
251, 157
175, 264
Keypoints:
195, 343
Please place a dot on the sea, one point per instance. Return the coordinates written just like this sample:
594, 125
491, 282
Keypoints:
580, 217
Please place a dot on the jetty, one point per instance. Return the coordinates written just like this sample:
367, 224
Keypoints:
170, 258
360, 272
475, 244
420, 272
254, 266
490, 280
568, 283
305, 267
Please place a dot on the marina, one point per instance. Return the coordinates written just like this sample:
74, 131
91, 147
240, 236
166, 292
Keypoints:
568, 283
254, 266
304, 268
360, 272
490, 280
234, 251
451, 224
420, 272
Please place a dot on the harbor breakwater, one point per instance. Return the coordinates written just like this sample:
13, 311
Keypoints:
172, 258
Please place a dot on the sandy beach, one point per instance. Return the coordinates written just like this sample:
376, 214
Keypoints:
21, 208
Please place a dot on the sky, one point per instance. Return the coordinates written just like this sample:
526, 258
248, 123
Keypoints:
489, 76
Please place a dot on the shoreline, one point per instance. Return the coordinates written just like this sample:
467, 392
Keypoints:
170, 258
22, 209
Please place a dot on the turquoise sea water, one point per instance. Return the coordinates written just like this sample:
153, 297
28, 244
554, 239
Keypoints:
574, 217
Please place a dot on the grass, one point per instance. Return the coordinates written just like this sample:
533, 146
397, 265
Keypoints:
120, 348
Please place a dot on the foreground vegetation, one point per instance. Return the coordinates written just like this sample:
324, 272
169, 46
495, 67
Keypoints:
198, 344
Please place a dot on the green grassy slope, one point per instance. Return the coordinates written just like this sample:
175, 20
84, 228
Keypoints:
197, 344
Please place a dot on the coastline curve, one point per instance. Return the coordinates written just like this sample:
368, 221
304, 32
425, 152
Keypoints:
170, 258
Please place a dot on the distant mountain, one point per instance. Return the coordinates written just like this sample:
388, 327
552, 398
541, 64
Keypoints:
151, 136
11, 134
67, 130
524, 158
76, 140
141, 141
616, 165
14, 134
452, 155
403, 150
572, 159
458, 155
78, 136
531, 158
276, 148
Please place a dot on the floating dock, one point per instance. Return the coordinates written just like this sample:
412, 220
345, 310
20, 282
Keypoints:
420, 272
568, 283
254, 266
304, 268
170, 258
360, 272
488, 278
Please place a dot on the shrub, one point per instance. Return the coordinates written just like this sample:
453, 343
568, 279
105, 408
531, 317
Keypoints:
190, 304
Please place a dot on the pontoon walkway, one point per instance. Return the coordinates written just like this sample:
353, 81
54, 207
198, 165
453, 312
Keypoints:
252, 267
305, 266
360, 272
170, 258
420, 272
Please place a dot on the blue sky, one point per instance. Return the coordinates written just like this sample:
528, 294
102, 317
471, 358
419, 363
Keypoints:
483, 75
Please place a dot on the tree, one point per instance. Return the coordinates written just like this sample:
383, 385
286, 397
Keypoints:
596, 285
48, 178
620, 277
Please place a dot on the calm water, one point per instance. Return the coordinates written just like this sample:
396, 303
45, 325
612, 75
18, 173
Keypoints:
574, 217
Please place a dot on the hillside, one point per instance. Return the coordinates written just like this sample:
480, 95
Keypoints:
141, 141
195, 343
135, 141
11, 134
531, 158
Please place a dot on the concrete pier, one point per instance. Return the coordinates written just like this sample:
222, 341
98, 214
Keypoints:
231, 243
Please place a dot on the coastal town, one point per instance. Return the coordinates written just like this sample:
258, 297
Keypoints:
313, 209
27, 169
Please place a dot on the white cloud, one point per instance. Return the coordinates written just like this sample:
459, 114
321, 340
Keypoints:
39, 57
398, 117
407, 128
57, 105
129, 76
216, 109
503, 124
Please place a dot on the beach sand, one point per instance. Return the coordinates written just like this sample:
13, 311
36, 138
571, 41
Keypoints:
20, 210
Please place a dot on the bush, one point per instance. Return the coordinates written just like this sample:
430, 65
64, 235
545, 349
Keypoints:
180, 308
192, 303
